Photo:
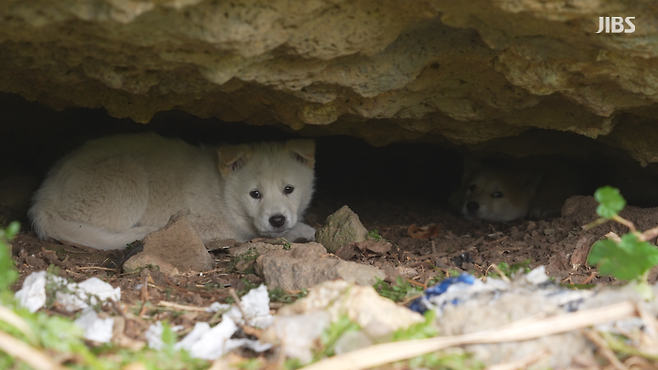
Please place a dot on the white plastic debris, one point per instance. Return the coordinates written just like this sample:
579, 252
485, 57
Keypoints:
256, 306
466, 289
254, 345
95, 328
153, 335
211, 343
33, 293
537, 276
90, 291
216, 307
205, 342
300, 332
194, 336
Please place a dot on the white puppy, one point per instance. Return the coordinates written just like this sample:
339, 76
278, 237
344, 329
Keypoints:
115, 190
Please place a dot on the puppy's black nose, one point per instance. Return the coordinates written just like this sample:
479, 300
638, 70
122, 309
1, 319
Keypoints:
278, 220
471, 206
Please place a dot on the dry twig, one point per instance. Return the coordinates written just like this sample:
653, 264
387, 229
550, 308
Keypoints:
24, 352
181, 307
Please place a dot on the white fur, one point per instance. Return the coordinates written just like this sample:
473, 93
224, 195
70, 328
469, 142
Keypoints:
115, 190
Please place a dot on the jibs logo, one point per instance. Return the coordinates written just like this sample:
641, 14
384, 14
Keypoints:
615, 25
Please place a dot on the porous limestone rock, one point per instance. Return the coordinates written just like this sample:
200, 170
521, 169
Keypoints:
471, 72
303, 266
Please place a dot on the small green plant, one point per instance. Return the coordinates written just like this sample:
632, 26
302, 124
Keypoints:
509, 270
374, 235
280, 295
8, 273
244, 263
334, 332
421, 330
399, 291
629, 257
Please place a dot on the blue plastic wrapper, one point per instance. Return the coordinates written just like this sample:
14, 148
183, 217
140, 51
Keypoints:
422, 304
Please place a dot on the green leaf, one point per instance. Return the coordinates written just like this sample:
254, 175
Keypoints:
336, 330
645, 290
397, 292
628, 260
8, 273
611, 202
374, 235
421, 330
12, 230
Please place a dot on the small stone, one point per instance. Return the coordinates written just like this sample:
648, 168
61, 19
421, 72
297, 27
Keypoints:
341, 228
176, 248
260, 248
296, 269
531, 226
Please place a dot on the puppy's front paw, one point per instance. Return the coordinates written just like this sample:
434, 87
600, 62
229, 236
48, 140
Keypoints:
301, 231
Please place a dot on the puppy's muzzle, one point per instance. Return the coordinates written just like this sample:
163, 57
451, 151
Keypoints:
277, 221
472, 206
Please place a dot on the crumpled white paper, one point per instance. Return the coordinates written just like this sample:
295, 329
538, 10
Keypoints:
300, 332
33, 293
95, 328
211, 343
153, 335
216, 307
256, 306
87, 292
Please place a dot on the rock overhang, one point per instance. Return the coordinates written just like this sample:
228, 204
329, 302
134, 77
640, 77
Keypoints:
470, 73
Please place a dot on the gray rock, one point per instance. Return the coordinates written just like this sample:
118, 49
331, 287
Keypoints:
260, 248
176, 248
341, 228
301, 268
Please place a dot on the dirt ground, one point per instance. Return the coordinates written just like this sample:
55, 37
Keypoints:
463, 245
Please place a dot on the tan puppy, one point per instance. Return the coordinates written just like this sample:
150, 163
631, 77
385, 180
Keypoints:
502, 194
115, 190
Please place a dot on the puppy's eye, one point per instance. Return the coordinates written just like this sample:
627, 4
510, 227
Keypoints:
472, 187
497, 194
255, 194
288, 189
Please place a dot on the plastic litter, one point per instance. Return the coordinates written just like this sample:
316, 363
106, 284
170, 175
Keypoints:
33, 293
153, 335
78, 296
216, 307
455, 291
211, 343
89, 292
256, 306
95, 328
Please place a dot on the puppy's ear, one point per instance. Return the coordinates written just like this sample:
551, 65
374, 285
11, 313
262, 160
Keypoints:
232, 158
528, 181
303, 150
471, 167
